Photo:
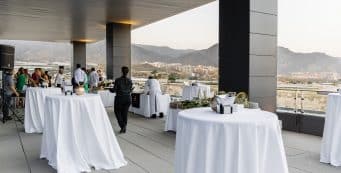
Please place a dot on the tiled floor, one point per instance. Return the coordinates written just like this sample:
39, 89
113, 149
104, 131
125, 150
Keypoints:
148, 149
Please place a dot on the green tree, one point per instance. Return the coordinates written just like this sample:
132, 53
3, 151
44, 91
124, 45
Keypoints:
193, 78
173, 77
154, 73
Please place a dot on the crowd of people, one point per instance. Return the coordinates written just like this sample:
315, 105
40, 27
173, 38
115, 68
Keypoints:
22, 79
38, 78
15, 85
89, 79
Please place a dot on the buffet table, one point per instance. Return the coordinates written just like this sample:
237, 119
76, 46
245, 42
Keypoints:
248, 141
191, 92
78, 135
162, 101
108, 98
331, 141
34, 108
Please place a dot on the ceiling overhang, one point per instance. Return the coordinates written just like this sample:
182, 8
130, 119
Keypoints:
77, 20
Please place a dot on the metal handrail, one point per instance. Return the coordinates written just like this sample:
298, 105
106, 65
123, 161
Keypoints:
299, 96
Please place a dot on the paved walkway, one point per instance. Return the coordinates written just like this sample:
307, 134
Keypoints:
147, 148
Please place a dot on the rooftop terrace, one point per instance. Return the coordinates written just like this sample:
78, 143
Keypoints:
147, 148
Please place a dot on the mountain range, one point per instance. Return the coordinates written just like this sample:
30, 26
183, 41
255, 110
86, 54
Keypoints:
288, 61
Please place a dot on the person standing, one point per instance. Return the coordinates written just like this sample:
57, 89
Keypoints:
21, 81
36, 77
19, 72
9, 91
153, 89
79, 76
28, 76
47, 75
123, 87
93, 79
44, 80
100, 76
86, 80
59, 81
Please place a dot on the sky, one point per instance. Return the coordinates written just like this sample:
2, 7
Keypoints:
303, 26
193, 29
310, 25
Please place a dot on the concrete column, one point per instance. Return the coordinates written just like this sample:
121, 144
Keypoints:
263, 53
118, 45
79, 54
248, 49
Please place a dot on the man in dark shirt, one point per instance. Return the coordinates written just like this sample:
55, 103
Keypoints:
123, 87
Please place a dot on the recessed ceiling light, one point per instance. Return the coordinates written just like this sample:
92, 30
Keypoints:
130, 22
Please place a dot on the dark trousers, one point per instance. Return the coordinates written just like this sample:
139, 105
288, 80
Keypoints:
6, 105
121, 107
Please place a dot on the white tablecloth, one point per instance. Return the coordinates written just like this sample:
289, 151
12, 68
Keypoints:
78, 135
163, 102
171, 118
34, 108
191, 92
248, 141
331, 141
107, 97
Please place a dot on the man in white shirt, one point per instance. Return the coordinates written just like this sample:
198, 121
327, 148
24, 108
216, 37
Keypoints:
59, 81
94, 79
153, 89
79, 76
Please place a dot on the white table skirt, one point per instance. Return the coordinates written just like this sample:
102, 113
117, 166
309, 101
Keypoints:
34, 108
163, 102
78, 135
107, 97
171, 118
248, 141
331, 141
191, 92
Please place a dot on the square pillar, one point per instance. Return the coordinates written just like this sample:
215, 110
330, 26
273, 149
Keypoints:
118, 46
234, 28
248, 49
79, 54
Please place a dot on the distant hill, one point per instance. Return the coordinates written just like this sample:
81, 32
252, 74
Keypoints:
164, 51
61, 52
143, 53
33, 51
96, 52
288, 61
202, 57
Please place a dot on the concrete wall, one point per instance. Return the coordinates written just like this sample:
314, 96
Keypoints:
263, 53
118, 45
79, 54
